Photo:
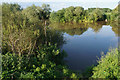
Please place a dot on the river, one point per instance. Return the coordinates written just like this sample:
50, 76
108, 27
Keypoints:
85, 43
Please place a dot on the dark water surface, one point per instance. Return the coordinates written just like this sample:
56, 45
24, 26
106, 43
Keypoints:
85, 43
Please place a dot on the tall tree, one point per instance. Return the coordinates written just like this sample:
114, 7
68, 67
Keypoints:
33, 13
46, 11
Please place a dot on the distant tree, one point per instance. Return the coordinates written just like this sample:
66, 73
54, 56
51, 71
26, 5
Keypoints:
78, 11
54, 17
115, 13
69, 13
60, 14
90, 9
78, 14
103, 9
106, 9
96, 15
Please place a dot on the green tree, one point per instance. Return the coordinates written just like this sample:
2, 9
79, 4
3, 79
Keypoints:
33, 13
115, 13
60, 14
46, 11
54, 17
10, 13
96, 15
78, 11
69, 13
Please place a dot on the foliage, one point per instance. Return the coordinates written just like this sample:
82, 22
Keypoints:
57, 16
24, 29
88, 72
33, 13
67, 15
115, 13
24, 33
10, 13
46, 10
54, 17
103, 9
78, 14
37, 13
96, 15
25, 51
47, 61
107, 66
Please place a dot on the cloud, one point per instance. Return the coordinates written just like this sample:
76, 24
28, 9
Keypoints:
58, 7
60, 0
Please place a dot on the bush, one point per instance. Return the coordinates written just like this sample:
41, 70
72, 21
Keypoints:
107, 66
47, 62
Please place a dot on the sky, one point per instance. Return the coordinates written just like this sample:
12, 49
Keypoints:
59, 4
60, 0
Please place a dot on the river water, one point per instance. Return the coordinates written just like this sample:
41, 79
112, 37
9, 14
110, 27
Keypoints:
84, 44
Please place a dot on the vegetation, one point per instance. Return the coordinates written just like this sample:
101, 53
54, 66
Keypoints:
20, 34
115, 13
46, 61
78, 14
108, 66
31, 49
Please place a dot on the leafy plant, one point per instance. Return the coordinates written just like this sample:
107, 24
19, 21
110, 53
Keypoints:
47, 62
107, 66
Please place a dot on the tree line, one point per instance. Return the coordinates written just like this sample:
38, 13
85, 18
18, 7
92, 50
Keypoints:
70, 14
79, 14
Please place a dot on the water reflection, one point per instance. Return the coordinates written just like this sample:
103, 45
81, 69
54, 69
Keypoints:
86, 41
115, 28
78, 29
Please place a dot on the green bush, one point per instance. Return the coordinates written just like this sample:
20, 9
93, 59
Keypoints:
47, 62
107, 66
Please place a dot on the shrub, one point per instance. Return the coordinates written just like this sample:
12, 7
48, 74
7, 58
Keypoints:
107, 66
47, 62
